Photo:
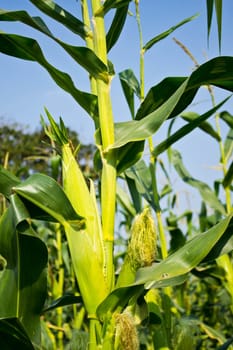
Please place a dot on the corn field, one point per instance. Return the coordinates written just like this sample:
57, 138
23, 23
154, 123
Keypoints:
106, 262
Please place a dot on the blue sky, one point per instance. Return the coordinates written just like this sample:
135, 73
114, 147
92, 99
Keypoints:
27, 88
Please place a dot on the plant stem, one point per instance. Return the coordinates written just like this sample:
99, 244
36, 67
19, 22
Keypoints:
106, 123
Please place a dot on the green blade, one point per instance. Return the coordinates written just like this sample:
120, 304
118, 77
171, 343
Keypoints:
130, 86
185, 258
45, 193
25, 257
163, 35
82, 55
64, 17
13, 335
111, 4
117, 25
28, 49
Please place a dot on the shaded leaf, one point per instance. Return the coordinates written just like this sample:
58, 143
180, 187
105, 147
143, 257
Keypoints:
29, 49
25, 272
66, 299
116, 26
130, 86
205, 191
227, 117
218, 10
228, 178
7, 181
210, 7
163, 35
13, 335
58, 13
228, 145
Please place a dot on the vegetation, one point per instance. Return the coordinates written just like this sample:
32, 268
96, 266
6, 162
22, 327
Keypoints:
166, 282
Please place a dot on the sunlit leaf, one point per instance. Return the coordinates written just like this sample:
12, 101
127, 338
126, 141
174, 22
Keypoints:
82, 55
185, 258
163, 35
110, 4
58, 13
29, 49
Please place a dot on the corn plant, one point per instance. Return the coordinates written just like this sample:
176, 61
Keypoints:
114, 302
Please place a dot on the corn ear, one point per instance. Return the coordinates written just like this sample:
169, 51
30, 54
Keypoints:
85, 245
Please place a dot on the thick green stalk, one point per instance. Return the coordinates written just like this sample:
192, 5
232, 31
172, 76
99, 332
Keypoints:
106, 123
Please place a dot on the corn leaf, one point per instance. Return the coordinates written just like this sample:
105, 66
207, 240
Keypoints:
205, 191
45, 193
210, 7
228, 178
171, 271
7, 181
130, 86
156, 109
116, 26
25, 257
204, 126
163, 35
82, 55
66, 299
218, 10
185, 258
228, 144
111, 4
13, 335
64, 17
227, 117
197, 121
28, 49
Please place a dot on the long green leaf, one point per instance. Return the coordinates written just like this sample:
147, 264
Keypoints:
28, 49
13, 335
45, 193
204, 126
209, 7
82, 55
184, 259
163, 35
116, 26
64, 17
185, 130
228, 178
157, 108
171, 271
23, 279
7, 181
130, 86
218, 11
205, 191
